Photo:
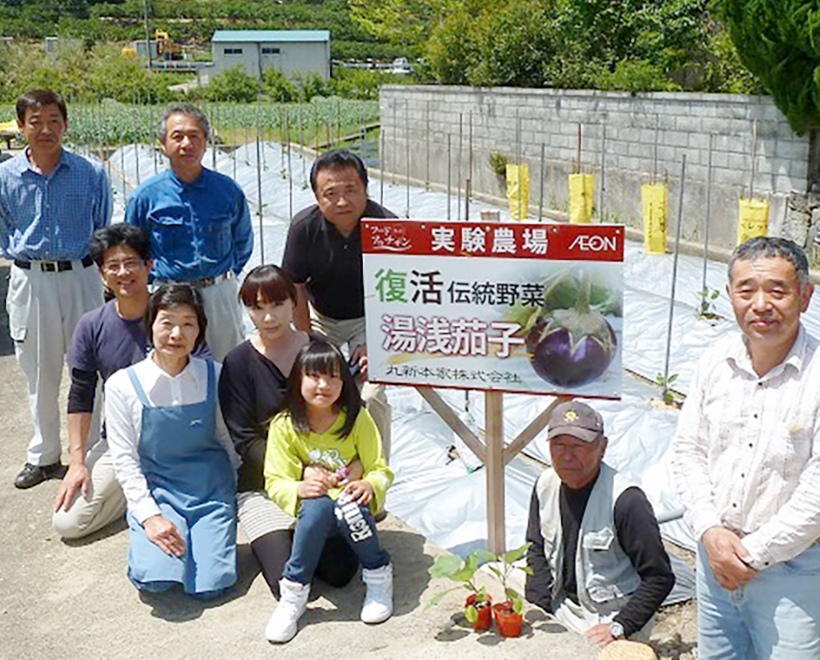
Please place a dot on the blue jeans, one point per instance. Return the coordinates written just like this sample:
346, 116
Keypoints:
775, 615
318, 518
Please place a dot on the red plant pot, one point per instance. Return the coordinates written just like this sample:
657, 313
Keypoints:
484, 611
509, 622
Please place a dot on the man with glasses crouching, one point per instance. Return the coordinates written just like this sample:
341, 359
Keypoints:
106, 340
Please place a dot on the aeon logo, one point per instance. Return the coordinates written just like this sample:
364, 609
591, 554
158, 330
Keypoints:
594, 243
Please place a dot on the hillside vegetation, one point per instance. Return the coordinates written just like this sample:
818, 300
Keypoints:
191, 22
630, 45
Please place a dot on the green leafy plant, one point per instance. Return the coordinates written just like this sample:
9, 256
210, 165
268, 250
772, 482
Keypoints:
775, 40
498, 164
463, 571
233, 85
310, 85
503, 573
666, 387
277, 87
636, 76
707, 303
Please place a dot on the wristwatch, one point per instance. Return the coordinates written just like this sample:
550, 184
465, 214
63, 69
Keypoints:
616, 630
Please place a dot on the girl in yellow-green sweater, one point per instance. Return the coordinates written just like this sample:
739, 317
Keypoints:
324, 423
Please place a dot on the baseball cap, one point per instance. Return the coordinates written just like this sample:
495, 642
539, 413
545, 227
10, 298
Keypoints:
576, 419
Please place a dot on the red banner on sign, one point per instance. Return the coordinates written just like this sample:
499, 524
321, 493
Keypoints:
479, 239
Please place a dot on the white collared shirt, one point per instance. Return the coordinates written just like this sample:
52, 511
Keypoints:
123, 420
747, 450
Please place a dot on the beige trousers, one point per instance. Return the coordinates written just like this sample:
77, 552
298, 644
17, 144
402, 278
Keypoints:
105, 503
43, 309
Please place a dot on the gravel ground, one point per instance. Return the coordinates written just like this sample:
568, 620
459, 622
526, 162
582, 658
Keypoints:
675, 634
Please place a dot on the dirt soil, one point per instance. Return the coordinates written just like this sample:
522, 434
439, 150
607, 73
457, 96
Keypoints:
72, 599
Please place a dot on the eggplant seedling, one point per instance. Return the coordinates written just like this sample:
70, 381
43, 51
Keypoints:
708, 310
665, 384
462, 571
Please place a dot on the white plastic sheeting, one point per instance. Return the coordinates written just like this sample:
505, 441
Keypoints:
439, 496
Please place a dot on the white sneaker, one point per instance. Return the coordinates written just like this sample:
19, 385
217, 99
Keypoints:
292, 602
378, 603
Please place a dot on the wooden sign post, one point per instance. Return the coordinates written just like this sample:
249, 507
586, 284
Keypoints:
493, 452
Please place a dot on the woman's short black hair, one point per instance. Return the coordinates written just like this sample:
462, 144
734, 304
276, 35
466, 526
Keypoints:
338, 160
273, 283
120, 234
321, 357
174, 295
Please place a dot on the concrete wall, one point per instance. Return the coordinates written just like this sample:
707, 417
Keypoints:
305, 57
628, 127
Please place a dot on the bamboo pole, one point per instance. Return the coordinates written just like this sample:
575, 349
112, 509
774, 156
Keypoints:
674, 279
754, 160
541, 188
469, 183
578, 158
381, 165
519, 158
407, 156
449, 175
458, 165
259, 194
290, 171
427, 143
601, 213
707, 221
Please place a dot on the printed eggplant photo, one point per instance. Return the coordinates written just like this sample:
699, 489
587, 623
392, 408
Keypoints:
569, 340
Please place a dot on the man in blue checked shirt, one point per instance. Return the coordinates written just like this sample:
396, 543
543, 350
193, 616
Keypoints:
51, 202
199, 224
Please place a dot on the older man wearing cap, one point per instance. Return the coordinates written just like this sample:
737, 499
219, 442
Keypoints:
597, 560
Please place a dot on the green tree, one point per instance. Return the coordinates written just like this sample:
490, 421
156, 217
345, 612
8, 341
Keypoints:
778, 41
28, 67
398, 21
515, 45
310, 85
453, 48
114, 76
635, 45
722, 69
363, 84
277, 87
636, 76
233, 85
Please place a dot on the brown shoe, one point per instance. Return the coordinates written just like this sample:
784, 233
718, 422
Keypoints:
31, 475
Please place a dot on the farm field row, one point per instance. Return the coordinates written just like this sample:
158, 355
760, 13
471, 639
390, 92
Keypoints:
321, 121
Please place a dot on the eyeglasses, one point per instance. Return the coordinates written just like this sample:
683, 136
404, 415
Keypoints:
130, 265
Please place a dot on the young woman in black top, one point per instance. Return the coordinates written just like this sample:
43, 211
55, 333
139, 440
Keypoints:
251, 388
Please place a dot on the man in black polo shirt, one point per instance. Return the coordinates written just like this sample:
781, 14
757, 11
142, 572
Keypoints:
323, 254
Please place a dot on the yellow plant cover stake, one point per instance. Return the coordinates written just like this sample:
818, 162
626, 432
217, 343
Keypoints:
518, 190
581, 197
655, 198
753, 219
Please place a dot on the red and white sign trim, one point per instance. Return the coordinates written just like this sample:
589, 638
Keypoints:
480, 239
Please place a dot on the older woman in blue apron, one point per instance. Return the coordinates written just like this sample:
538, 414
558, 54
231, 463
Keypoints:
173, 456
